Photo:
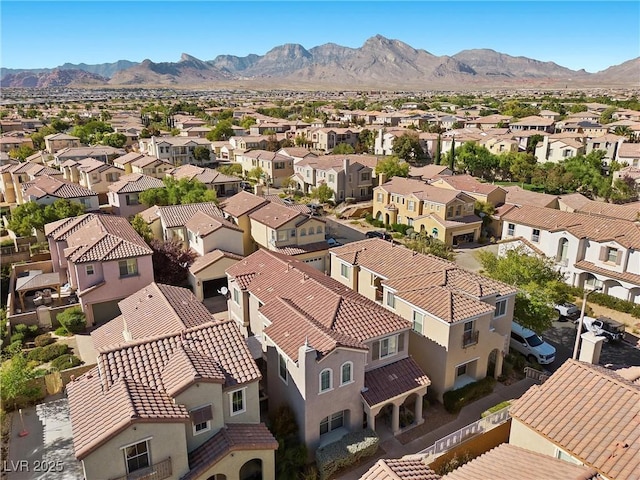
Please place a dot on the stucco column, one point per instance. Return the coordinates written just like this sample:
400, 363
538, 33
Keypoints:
497, 370
371, 420
395, 419
418, 410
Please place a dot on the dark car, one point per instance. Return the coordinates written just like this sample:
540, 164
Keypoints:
378, 234
246, 186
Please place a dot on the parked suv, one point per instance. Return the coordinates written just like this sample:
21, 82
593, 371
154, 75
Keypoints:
379, 234
531, 345
605, 327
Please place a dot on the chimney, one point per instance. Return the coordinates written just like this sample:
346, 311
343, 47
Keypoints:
382, 178
590, 348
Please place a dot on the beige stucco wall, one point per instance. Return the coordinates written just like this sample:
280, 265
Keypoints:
199, 395
212, 272
523, 436
231, 464
166, 440
224, 238
251, 398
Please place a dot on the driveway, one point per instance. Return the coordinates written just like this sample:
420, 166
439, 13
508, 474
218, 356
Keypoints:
466, 257
46, 451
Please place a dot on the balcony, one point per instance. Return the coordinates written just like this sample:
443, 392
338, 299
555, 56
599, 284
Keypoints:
157, 471
470, 338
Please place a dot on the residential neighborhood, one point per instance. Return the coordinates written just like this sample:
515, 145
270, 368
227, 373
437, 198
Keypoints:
236, 284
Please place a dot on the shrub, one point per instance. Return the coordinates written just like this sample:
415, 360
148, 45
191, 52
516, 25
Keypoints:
65, 361
17, 337
33, 330
73, 320
454, 400
401, 228
496, 408
21, 328
44, 340
48, 353
347, 451
62, 332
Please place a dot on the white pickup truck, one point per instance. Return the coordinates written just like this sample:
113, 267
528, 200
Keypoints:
604, 327
567, 311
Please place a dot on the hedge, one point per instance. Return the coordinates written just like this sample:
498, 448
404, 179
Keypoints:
400, 227
65, 361
608, 301
73, 320
44, 340
346, 451
48, 353
454, 400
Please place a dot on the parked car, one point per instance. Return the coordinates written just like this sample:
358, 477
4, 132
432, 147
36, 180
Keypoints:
379, 234
246, 186
567, 311
288, 201
333, 242
606, 327
531, 345
316, 209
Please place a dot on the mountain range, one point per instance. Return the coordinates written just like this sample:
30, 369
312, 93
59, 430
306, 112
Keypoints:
379, 63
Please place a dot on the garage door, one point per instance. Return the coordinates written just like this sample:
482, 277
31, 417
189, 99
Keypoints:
210, 287
105, 311
317, 263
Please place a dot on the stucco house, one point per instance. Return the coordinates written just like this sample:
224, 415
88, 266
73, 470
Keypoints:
484, 192
103, 259
276, 167
123, 195
15, 174
590, 250
445, 214
174, 396
46, 189
461, 321
335, 357
237, 209
224, 185
93, 174
176, 150
58, 141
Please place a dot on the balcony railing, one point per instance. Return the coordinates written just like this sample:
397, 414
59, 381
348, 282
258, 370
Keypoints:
470, 338
157, 471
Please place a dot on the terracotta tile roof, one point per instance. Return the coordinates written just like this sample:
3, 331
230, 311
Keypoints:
407, 186
128, 158
232, 437
428, 171
135, 183
630, 213
84, 152
274, 215
590, 412
534, 121
574, 201
468, 184
265, 155
524, 241
145, 161
61, 229
91, 165
44, 185
210, 258
294, 250
149, 361
633, 278
242, 203
151, 311
519, 196
389, 381
97, 414
400, 469
178, 215
105, 238
208, 176
204, 224
269, 275
629, 150
298, 207
507, 462
600, 229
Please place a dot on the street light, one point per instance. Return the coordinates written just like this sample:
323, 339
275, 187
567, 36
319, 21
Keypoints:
581, 320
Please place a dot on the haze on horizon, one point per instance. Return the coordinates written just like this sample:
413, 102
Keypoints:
576, 35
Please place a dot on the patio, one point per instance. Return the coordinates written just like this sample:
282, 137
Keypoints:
37, 288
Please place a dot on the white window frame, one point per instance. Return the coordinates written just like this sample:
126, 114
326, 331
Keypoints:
391, 300
511, 229
124, 453
281, 359
391, 341
90, 267
344, 269
282, 235
330, 386
244, 401
342, 380
611, 250
236, 296
535, 238
501, 308
207, 423
128, 262
421, 322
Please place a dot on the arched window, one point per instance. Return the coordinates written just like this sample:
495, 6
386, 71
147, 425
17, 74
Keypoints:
319, 229
563, 249
326, 380
346, 373
434, 232
311, 232
303, 232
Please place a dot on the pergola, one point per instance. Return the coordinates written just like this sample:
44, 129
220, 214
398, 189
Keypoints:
36, 280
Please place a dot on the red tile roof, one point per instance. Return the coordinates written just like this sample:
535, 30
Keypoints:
178, 215
624, 276
274, 215
294, 250
389, 381
204, 224
508, 462
400, 469
44, 185
590, 412
242, 203
231, 438
134, 183
519, 196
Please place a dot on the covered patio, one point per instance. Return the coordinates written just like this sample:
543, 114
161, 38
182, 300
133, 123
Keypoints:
42, 284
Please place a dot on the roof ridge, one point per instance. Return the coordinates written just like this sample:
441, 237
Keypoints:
127, 394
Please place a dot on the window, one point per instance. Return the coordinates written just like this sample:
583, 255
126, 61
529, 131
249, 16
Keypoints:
201, 419
332, 178
346, 373
470, 336
319, 229
282, 368
501, 308
563, 250
128, 267
237, 402
511, 229
458, 210
388, 346
137, 456
326, 382
236, 296
278, 165
132, 199
434, 232
344, 270
303, 232
612, 255
365, 176
461, 370
450, 212
535, 235
391, 300
411, 205
293, 232
311, 231
418, 321
89, 270
332, 422
282, 235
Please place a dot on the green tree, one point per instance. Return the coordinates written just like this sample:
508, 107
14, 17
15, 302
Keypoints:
485, 211
202, 154
578, 107
323, 193
477, 160
272, 143
115, 140
256, 173
392, 167
31, 215
21, 153
532, 142
247, 122
437, 158
423, 243
522, 166
539, 285
607, 115
407, 147
366, 141
142, 228
343, 149
288, 183
233, 169
452, 155
59, 125
222, 131
91, 132
15, 375
178, 192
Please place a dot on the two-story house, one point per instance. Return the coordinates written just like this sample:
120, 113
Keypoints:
563, 418
104, 153
237, 210
46, 189
326, 139
16, 175
104, 260
590, 250
445, 214
484, 192
10, 142
555, 149
285, 230
174, 396
461, 320
58, 141
177, 150
124, 195
152, 166
223, 185
275, 167
92, 174
335, 357
541, 124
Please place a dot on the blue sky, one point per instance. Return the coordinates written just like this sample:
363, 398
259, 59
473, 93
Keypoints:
576, 34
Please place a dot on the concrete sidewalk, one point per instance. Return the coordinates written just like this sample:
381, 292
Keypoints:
469, 414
